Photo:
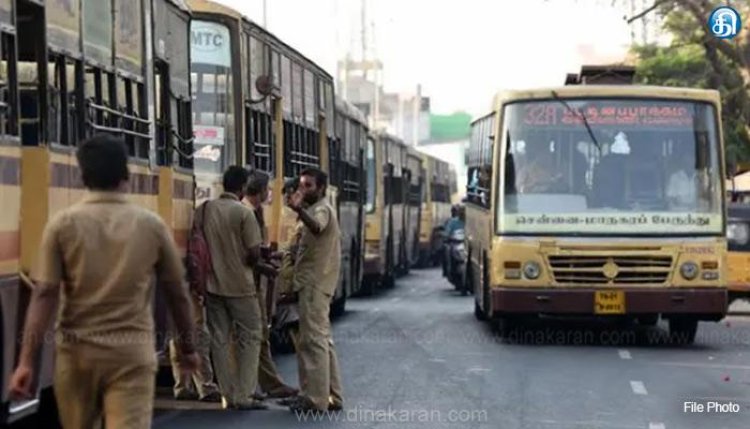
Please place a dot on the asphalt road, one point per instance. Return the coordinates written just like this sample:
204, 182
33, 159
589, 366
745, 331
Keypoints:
415, 357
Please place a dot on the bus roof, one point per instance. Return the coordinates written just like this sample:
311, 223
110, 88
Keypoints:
208, 6
350, 111
254, 27
572, 91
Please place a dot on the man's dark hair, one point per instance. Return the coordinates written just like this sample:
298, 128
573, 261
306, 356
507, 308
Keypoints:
258, 183
103, 160
321, 179
291, 185
235, 179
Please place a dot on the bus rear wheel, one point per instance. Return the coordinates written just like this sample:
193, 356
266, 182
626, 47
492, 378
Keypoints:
682, 330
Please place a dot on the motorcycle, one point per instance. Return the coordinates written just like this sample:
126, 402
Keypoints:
455, 261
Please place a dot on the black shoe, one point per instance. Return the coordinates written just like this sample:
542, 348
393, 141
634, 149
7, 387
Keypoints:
186, 395
213, 397
335, 406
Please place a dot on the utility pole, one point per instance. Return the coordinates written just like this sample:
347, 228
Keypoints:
265, 15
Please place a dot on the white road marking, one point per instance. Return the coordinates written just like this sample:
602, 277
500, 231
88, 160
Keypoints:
638, 388
704, 365
653, 425
624, 354
477, 369
437, 360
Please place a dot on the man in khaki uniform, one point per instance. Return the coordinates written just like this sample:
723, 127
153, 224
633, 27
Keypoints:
234, 240
316, 275
269, 379
200, 385
105, 250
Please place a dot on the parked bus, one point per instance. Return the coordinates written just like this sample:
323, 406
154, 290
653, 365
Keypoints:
413, 212
68, 74
579, 205
347, 174
738, 232
437, 208
260, 103
384, 227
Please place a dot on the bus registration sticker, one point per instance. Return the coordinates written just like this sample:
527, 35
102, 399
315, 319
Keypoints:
609, 302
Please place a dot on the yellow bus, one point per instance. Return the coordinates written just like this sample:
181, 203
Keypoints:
413, 212
436, 208
70, 70
260, 103
601, 200
347, 174
385, 246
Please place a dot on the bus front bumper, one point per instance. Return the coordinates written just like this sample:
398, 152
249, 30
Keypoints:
710, 302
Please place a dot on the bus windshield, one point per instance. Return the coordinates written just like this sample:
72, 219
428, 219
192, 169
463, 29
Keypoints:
611, 166
213, 106
371, 177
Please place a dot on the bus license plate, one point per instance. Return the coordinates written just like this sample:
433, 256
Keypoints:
609, 302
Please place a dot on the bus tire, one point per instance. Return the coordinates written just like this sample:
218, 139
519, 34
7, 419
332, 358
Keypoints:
338, 307
682, 330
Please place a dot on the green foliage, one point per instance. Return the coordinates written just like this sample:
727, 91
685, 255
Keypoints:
687, 63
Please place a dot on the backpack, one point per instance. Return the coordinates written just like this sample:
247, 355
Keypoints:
198, 254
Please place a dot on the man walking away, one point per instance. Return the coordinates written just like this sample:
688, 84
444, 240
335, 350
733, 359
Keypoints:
234, 240
269, 379
315, 278
105, 250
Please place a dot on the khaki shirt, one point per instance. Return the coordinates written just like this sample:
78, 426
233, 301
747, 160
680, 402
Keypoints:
319, 257
286, 271
106, 251
231, 231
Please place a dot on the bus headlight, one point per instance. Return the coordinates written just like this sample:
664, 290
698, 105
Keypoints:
531, 270
689, 270
738, 233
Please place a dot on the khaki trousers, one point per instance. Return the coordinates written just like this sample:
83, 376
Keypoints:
203, 379
268, 376
236, 333
89, 390
319, 367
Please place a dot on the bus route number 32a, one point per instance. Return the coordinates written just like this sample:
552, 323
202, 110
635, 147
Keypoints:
609, 302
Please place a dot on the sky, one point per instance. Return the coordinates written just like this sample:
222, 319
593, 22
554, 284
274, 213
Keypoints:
460, 51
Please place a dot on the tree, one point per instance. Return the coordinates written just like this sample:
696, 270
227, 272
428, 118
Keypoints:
698, 59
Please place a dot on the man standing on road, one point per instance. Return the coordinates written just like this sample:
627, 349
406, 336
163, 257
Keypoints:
105, 250
234, 240
316, 275
269, 379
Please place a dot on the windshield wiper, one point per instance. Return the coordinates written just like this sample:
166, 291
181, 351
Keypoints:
580, 115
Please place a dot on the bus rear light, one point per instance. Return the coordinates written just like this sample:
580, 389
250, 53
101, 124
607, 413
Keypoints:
710, 275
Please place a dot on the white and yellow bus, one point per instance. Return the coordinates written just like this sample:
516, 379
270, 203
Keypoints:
600, 200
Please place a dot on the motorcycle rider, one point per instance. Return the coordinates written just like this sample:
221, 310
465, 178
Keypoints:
455, 223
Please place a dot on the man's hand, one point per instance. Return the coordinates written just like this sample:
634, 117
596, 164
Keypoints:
21, 383
189, 363
296, 200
